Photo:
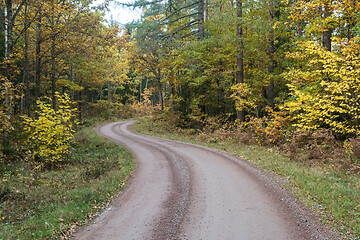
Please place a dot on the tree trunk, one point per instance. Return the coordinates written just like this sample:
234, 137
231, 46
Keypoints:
53, 58
53, 72
240, 57
160, 91
9, 25
172, 95
38, 59
26, 80
8, 51
140, 89
80, 109
201, 19
72, 79
206, 10
109, 93
271, 51
326, 35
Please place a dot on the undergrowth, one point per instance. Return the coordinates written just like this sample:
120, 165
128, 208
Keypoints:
49, 204
327, 187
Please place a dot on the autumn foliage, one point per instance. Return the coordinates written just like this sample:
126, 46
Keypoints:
51, 132
325, 88
267, 70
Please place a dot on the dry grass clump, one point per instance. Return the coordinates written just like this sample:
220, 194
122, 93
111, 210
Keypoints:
321, 147
317, 146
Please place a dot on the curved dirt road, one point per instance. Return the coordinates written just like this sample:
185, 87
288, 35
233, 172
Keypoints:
184, 191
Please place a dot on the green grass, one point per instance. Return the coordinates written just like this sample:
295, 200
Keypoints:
333, 195
50, 203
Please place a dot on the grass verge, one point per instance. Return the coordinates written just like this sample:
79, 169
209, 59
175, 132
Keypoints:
50, 203
333, 195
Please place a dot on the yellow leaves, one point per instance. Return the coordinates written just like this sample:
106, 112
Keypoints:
50, 134
242, 94
157, 17
269, 129
277, 23
146, 96
68, 84
322, 15
277, 125
326, 91
348, 147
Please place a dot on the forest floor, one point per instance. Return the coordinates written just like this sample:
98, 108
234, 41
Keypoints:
186, 191
331, 194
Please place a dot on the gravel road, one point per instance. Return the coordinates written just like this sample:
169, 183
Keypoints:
185, 191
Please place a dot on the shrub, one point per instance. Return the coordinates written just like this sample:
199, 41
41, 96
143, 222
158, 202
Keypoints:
50, 134
277, 126
269, 130
319, 144
172, 121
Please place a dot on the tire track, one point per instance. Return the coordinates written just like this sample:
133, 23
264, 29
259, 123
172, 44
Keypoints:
185, 191
168, 224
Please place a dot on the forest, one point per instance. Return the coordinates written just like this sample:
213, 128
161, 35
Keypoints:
283, 73
271, 67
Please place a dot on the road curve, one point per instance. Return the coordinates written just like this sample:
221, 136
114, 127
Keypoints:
184, 191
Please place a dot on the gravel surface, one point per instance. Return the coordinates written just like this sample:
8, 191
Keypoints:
184, 191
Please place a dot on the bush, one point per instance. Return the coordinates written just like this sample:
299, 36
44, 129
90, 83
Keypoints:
319, 145
173, 121
50, 134
269, 130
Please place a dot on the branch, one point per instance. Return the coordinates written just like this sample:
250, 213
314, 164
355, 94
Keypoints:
173, 13
189, 34
27, 25
181, 28
17, 11
184, 17
134, 5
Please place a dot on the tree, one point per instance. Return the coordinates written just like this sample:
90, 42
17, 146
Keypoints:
240, 56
